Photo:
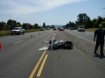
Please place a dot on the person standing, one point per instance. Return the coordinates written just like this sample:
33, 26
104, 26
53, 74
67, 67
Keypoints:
50, 45
99, 39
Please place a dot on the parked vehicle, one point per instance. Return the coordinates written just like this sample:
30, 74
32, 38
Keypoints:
18, 31
81, 29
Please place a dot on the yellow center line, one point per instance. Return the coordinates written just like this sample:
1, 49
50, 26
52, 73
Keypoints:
53, 36
43, 63
42, 66
35, 68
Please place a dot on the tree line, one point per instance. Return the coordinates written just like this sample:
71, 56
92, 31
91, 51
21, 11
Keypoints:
84, 20
10, 24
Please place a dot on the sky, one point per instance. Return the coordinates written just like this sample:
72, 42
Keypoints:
52, 12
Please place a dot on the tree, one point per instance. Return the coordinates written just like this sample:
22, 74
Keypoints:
88, 23
11, 23
97, 21
70, 24
100, 19
103, 24
2, 26
27, 26
94, 23
52, 26
84, 20
44, 25
36, 26
80, 18
103, 19
67, 25
18, 24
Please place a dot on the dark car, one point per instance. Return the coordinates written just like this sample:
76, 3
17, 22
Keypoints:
61, 29
55, 29
81, 29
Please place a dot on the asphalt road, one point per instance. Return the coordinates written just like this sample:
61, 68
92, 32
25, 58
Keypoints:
20, 57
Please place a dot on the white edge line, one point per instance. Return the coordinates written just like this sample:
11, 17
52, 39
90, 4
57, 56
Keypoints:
84, 38
18, 42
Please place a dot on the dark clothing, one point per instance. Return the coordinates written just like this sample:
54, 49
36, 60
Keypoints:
99, 34
49, 47
101, 47
50, 42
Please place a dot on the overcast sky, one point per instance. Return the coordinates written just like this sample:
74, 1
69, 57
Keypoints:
50, 11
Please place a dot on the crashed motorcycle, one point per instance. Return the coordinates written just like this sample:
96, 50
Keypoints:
55, 44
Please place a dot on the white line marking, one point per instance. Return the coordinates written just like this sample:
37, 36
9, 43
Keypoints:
18, 42
84, 39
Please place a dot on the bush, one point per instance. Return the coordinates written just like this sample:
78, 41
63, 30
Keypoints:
4, 33
103, 24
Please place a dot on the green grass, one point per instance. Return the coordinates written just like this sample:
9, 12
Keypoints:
92, 29
5, 33
32, 30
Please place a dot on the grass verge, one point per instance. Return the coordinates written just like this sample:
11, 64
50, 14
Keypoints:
91, 29
32, 30
5, 33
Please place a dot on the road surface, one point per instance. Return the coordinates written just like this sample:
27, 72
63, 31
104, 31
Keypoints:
20, 57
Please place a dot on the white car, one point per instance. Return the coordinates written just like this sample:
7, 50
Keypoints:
18, 30
81, 29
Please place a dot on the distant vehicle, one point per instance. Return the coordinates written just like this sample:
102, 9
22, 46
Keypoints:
81, 29
42, 29
48, 28
18, 31
61, 29
55, 29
